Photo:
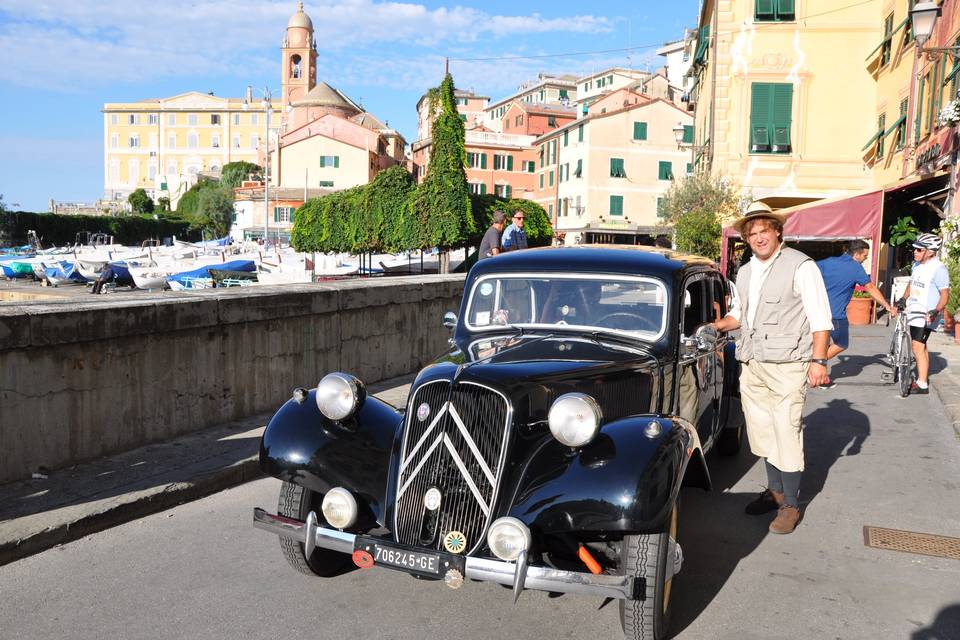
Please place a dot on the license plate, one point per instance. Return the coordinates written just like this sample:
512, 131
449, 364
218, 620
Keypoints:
409, 560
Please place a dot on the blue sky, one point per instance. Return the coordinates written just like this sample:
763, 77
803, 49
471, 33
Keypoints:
64, 59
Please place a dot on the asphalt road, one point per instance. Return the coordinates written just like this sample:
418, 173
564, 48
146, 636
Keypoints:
201, 571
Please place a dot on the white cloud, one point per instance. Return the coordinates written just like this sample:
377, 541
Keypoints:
72, 45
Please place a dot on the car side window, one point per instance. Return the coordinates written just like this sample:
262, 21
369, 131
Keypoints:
695, 307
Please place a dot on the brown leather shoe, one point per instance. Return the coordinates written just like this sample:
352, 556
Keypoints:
787, 519
768, 500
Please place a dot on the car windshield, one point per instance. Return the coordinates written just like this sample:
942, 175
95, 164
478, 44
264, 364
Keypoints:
630, 305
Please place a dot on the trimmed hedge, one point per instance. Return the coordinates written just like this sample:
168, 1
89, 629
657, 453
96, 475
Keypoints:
60, 230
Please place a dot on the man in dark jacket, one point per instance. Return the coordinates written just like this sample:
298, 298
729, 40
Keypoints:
490, 245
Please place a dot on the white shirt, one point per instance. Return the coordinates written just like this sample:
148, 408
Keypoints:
807, 284
926, 282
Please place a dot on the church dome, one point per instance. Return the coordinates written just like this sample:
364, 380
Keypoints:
323, 95
300, 19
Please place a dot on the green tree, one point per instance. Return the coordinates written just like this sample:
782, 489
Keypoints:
215, 211
234, 173
140, 202
697, 206
441, 205
3, 206
189, 201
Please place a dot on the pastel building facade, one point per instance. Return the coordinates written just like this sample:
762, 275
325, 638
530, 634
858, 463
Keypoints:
604, 175
544, 89
162, 145
779, 106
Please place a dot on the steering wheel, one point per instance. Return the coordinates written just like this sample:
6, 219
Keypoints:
646, 323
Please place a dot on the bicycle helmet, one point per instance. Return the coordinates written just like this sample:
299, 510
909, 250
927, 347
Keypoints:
929, 241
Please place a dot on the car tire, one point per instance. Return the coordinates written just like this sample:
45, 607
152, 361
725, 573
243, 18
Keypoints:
648, 556
296, 502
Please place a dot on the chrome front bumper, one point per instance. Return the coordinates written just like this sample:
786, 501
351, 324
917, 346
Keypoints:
518, 574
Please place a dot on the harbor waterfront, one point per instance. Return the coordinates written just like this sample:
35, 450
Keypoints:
89, 376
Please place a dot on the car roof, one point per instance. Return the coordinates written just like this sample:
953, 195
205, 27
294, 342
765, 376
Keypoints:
628, 259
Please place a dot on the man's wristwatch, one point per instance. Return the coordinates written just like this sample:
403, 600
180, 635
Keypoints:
820, 361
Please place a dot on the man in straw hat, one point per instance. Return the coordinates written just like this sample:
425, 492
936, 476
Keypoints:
785, 323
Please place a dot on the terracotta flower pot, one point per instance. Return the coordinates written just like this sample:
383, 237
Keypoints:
956, 332
948, 323
860, 311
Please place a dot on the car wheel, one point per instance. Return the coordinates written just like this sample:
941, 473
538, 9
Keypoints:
652, 557
296, 502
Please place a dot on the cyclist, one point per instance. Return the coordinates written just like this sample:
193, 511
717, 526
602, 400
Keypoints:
926, 297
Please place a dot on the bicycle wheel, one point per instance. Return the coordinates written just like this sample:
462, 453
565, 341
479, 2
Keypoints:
905, 365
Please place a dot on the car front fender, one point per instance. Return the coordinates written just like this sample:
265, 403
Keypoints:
302, 446
623, 481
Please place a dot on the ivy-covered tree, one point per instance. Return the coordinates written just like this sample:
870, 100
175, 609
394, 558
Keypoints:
189, 201
215, 211
234, 173
140, 202
388, 215
697, 206
441, 205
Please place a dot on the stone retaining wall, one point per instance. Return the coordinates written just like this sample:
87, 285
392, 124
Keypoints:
82, 380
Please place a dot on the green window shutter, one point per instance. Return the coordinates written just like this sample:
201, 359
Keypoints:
639, 130
566, 137
293, 216
483, 188
580, 133
665, 170
616, 205
782, 116
919, 119
689, 168
550, 179
688, 134
276, 214
323, 161
563, 94
881, 126
785, 9
541, 181
764, 9
760, 97
509, 163
579, 171
483, 161
336, 162
507, 190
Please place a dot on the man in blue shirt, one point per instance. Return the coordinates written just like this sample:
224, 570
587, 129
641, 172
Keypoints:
841, 274
514, 237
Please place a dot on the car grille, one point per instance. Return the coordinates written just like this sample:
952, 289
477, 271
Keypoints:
458, 448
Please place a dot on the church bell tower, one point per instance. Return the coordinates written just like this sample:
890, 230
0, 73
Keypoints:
299, 57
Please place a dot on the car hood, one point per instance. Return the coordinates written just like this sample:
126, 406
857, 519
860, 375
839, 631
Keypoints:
534, 370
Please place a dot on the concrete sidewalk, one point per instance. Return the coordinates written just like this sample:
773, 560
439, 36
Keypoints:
70, 503
945, 382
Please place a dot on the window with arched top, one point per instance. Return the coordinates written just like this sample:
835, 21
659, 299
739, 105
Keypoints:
295, 62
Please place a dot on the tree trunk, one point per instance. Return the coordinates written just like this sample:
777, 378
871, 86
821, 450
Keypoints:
443, 262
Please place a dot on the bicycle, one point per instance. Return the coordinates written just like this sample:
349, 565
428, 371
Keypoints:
900, 354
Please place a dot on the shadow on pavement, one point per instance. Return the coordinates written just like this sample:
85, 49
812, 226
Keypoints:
715, 532
946, 626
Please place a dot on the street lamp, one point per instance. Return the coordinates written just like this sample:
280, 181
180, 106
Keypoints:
267, 109
924, 16
678, 133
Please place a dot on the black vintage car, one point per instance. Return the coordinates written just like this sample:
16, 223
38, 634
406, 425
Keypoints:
546, 450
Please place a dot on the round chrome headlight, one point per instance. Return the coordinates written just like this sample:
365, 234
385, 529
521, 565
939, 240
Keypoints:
339, 508
574, 419
338, 396
507, 537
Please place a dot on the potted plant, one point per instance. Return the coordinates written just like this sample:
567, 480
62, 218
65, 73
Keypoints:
951, 315
860, 309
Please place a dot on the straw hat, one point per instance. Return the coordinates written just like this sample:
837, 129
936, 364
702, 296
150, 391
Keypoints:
758, 209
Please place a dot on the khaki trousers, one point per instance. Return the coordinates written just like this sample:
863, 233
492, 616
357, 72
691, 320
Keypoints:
772, 394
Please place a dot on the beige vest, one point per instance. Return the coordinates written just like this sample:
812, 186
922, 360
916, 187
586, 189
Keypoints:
780, 331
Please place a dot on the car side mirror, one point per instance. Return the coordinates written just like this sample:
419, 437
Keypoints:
703, 340
450, 320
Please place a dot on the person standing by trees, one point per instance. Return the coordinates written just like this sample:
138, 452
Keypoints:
515, 237
490, 245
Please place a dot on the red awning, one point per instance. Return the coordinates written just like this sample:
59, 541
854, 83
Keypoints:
844, 218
